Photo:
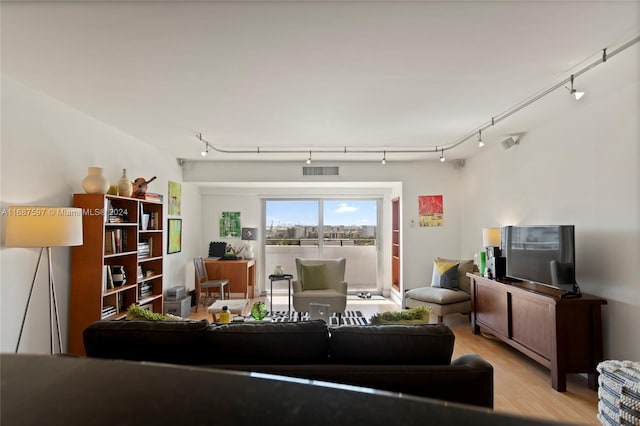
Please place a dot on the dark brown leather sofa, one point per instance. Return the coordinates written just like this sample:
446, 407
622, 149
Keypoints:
411, 359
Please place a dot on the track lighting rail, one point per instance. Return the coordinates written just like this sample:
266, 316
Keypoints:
432, 149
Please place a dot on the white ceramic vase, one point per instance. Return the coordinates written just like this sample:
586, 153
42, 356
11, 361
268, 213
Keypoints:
95, 182
248, 251
124, 185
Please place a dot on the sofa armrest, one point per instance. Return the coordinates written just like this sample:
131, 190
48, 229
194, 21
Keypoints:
343, 287
479, 374
296, 286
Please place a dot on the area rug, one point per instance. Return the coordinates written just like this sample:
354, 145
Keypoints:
348, 317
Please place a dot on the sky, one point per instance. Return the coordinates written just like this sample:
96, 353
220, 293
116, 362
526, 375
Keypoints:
336, 212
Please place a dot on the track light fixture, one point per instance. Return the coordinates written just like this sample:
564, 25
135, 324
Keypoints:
206, 145
480, 143
573, 91
384, 157
442, 156
309, 159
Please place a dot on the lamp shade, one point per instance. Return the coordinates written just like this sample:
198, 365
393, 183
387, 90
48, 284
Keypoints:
491, 237
249, 234
34, 226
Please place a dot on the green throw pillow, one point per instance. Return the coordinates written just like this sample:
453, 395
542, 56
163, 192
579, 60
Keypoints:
314, 277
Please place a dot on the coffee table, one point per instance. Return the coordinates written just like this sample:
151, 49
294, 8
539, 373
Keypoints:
235, 306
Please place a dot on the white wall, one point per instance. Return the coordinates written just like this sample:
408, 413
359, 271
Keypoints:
407, 180
46, 149
581, 168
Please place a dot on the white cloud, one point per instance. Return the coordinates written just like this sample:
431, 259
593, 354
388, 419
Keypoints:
346, 208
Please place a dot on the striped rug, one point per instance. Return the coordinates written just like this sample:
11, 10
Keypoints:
348, 317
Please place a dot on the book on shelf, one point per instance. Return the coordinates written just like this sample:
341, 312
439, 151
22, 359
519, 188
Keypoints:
115, 241
107, 277
145, 247
152, 196
108, 311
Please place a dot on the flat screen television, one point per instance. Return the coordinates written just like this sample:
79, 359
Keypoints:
541, 255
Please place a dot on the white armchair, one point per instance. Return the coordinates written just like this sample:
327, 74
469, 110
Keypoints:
320, 281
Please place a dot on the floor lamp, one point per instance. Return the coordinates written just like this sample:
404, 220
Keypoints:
44, 227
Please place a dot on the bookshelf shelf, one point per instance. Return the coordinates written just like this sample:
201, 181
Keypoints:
112, 239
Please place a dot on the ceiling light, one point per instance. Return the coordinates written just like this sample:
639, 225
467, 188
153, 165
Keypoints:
206, 145
480, 143
574, 92
309, 159
384, 157
442, 156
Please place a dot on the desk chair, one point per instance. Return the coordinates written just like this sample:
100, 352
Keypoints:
204, 283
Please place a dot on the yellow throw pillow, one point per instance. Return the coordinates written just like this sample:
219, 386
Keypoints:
445, 274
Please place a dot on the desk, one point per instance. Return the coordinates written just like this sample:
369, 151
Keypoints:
285, 277
240, 273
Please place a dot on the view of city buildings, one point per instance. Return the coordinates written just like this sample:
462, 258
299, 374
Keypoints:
332, 235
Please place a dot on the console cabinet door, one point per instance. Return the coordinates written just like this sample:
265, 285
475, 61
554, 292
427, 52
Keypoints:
492, 308
526, 311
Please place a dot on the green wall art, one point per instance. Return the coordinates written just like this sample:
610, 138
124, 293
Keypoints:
230, 224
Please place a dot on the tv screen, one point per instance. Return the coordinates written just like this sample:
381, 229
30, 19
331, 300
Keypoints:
541, 254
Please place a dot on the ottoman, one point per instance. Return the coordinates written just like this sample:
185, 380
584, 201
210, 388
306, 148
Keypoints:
235, 306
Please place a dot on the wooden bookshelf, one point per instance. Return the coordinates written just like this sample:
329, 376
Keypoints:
112, 231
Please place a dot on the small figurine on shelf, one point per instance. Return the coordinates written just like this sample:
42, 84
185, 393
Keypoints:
140, 187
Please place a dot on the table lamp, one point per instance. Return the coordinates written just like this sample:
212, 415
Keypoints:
495, 262
44, 227
249, 234
491, 241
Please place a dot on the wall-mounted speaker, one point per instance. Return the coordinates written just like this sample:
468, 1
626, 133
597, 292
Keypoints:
510, 141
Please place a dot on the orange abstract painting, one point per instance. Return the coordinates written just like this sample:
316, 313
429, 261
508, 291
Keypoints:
430, 210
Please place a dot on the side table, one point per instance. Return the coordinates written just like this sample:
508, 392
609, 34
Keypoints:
284, 277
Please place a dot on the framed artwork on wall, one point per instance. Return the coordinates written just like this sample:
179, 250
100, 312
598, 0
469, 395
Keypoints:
175, 198
430, 210
174, 236
230, 224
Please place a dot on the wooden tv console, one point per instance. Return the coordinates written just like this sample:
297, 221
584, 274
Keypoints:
563, 334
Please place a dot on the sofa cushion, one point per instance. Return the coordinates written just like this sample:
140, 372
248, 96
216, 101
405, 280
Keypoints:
441, 296
314, 277
428, 344
305, 342
177, 342
464, 266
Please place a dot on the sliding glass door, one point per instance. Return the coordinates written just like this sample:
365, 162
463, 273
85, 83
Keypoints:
324, 228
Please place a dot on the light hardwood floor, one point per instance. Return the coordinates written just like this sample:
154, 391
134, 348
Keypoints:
521, 386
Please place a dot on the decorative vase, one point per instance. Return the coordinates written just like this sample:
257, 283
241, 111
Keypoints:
248, 251
258, 311
278, 270
118, 276
483, 263
124, 185
95, 182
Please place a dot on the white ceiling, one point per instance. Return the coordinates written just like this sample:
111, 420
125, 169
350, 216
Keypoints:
311, 75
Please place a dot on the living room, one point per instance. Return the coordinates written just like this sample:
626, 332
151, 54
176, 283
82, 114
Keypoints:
576, 163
